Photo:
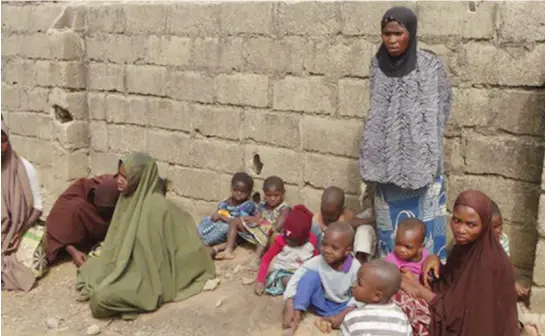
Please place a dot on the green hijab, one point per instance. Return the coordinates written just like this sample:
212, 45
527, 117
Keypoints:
151, 254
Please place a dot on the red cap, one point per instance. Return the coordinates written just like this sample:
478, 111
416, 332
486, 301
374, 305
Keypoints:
298, 223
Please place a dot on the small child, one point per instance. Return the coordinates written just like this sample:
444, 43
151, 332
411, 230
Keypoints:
324, 282
409, 251
290, 249
377, 282
272, 213
332, 209
213, 229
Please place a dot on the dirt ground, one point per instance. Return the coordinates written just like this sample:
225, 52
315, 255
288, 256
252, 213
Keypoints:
240, 312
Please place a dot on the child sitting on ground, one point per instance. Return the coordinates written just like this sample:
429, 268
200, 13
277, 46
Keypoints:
291, 249
213, 229
324, 282
377, 282
409, 251
272, 213
332, 209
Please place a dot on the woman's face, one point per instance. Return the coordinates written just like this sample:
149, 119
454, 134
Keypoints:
5, 143
466, 225
395, 38
122, 183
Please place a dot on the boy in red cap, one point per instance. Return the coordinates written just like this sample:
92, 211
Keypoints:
291, 249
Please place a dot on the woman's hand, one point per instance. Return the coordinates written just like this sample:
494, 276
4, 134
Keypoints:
432, 263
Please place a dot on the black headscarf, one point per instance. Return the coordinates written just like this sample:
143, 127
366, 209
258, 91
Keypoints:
401, 65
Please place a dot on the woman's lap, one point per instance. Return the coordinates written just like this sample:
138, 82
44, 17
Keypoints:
416, 310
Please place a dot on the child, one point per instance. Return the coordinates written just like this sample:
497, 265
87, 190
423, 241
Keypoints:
377, 282
332, 209
290, 249
213, 229
272, 213
324, 282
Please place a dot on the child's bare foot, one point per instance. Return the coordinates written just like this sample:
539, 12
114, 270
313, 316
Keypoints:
225, 255
529, 330
323, 325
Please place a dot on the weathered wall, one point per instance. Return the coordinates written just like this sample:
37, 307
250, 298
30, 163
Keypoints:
537, 302
206, 87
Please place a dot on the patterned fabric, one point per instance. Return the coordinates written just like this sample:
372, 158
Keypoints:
504, 241
402, 142
263, 232
394, 204
31, 252
416, 310
213, 233
274, 285
376, 319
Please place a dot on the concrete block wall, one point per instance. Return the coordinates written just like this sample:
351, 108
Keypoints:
212, 88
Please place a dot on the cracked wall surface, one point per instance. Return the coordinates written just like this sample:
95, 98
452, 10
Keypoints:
212, 88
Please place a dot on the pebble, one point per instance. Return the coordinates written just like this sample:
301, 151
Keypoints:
93, 330
211, 284
247, 281
237, 269
220, 302
52, 323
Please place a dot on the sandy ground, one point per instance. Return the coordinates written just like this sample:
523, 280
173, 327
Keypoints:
241, 312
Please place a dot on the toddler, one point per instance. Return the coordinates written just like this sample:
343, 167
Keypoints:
291, 249
272, 213
213, 229
409, 251
377, 282
324, 282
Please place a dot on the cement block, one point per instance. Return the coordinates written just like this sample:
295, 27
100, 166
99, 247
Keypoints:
310, 94
274, 160
243, 89
539, 264
30, 124
35, 150
146, 18
330, 136
65, 45
290, 54
35, 46
72, 165
472, 107
63, 74
106, 77
169, 50
206, 53
74, 102
522, 240
99, 136
323, 171
461, 20
529, 107
103, 162
200, 184
193, 19
116, 48
293, 18
169, 147
342, 57
216, 155
124, 139
35, 99
17, 18
169, 114
72, 135
191, 86
222, 122
519, 159
453, 155
231, 58
276, 129
106, 18
250, 18
97, 105
12, 44
363, 18
121, 109
147, 79
541, 216
354, 98
11, 96
517, 200
537, 300
17, 71
522, 21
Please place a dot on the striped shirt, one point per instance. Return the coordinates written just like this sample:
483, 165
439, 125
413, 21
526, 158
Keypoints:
376, 320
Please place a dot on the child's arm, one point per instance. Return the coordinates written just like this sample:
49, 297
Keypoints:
277, 246
314, 241
337, 320
281, 219
291, 288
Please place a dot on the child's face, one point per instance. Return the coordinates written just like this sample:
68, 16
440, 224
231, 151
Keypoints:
497, 225
335, 247
365, 290
240, 192
408, 245
331, 212
274, 196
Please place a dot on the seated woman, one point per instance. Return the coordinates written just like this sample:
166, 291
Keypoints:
80, 217
22, 206
473, 294
151, 254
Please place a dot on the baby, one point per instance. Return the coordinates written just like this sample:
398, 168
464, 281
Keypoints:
377, 282
272, 213
291, 249
324, 282
213, 230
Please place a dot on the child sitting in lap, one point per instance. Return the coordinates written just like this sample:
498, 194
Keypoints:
213, 229
332, 209
291, 249
377, 282
272, 213
409, 251
324, 282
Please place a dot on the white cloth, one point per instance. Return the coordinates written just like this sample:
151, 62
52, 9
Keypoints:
291, 258
35, 186
376, 319
365, 240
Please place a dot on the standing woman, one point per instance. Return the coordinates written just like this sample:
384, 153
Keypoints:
401, 153
22, 206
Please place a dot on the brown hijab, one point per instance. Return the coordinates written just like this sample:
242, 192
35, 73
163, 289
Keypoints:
17, 208
476, 291
81, 215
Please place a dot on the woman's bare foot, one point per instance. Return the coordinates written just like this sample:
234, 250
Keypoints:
225, 255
